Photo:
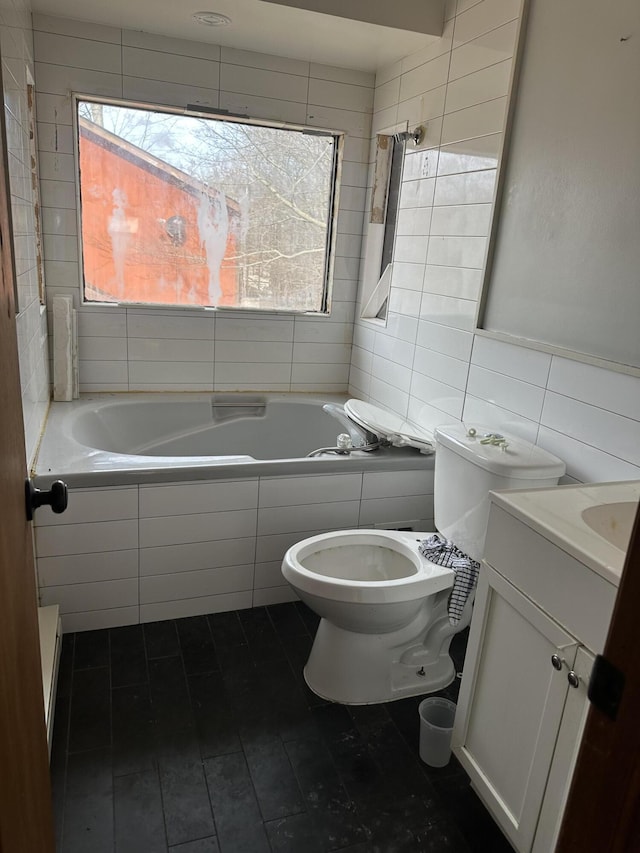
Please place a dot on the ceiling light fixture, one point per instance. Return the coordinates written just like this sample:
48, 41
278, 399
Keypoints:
212, 19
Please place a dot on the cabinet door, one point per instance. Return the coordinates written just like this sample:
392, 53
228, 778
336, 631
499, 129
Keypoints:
510, 705
565, 755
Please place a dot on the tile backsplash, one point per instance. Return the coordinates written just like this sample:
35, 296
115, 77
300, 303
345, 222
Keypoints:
426, 362
139, 349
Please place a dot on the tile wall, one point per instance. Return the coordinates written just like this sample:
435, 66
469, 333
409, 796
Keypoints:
132, 554
16, 44
426, 362
146, 349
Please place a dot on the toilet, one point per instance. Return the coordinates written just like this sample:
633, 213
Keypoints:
385, 631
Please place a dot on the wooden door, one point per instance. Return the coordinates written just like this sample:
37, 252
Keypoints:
26, 822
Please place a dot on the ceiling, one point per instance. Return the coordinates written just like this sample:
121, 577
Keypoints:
258, 26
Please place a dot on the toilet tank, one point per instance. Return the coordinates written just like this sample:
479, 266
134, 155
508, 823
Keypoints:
466, 470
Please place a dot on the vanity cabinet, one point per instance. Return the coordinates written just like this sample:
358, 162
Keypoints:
523, 698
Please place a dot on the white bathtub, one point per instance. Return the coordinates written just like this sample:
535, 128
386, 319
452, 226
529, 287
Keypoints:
156, 529
113, 439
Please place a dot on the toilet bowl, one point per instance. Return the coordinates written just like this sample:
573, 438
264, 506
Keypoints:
377, 598
385, 627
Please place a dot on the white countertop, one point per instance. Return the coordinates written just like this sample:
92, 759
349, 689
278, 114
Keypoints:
556, 513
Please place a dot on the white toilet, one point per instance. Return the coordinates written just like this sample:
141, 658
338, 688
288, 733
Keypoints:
385, 629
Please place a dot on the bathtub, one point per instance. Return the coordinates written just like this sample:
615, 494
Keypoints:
184, 504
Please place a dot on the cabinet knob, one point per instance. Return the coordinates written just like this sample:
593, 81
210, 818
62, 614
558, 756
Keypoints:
573, 678
557, 662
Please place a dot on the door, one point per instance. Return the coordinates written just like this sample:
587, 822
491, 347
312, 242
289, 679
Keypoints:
26, 823
510, 704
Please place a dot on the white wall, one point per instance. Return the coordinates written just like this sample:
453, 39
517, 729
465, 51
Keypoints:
427, 363
146, 349
16, 43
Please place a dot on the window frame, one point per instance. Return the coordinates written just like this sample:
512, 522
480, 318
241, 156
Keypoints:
199, 111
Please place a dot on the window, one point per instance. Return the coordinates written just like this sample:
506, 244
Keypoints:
197, 210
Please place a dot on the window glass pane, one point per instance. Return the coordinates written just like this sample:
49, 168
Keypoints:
185, 210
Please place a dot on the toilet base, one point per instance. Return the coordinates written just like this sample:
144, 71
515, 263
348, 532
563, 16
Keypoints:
364, 669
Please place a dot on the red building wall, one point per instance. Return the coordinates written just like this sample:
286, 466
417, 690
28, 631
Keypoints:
125, 233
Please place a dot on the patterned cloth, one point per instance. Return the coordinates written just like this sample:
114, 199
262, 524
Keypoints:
443, 552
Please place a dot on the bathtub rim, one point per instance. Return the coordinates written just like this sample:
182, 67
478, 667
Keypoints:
60, 456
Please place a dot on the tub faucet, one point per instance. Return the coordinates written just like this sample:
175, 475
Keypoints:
359, 435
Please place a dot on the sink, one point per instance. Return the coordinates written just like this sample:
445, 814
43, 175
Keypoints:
612, 521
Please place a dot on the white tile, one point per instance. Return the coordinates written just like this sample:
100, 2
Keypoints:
520, 362
364, 335
60, 80
58, 540
289, 519
424, 109
57, 166
330, 118
272, 548
193, 556
462, 220
607, 431
354, 175
269, 575
252, 375
102, 349
480, 120
97, 619
322, 331
388, 395
195, 606
109, 323
402, 301
468, 188
485, 85
267, 329
173, 587
395, 509
77, 52
93, 505
451, 371
428, 417
387, 95
53, 108
585, 463
163, 349
167, 93
414, 221
202, 527
294, 491
389, 348
457, 251
410, 249
429, 75
170, 67
459, 282
103, 372
520, 397
192, 498
265, 61
417, 193
482, 18
360, 360
340, 95
58, 194
313, 353
482, 413
606, 389
85, 568
448, 311
471, 155
451, 342
342, 75
264, 352
164, 373
269, 84
393, 484
266, 108
438, 394
150, 325
334, 374
59, 221
79, 29
435, 47
165, 44
273, 595
102, 595
489, 49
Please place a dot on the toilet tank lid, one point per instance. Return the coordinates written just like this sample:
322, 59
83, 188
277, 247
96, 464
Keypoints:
518, 459
385, 424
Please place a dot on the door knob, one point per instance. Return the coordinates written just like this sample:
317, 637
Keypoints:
57, 497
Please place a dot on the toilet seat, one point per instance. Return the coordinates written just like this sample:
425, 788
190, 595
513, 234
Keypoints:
377, 553
389, 426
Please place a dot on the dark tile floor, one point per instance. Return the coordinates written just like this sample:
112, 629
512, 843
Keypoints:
199, 735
